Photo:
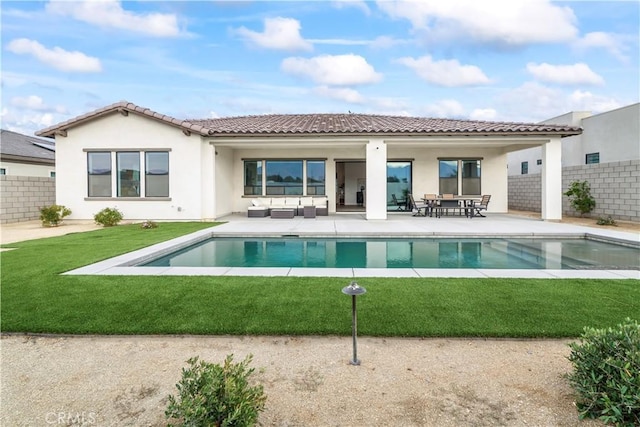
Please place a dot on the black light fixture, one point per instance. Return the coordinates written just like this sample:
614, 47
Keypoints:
354, 290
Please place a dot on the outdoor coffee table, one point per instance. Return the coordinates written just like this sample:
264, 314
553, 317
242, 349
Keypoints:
282, 213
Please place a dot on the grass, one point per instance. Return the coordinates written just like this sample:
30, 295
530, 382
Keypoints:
37, 299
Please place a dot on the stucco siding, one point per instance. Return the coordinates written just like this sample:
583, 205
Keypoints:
26, 169
116, 132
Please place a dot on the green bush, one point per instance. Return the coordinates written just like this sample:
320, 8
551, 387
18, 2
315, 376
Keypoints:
606, 375
606, 221
108, 217
580, 194
52, 216
215, 395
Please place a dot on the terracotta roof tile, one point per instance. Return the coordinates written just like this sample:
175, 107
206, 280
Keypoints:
283, 124
304, 124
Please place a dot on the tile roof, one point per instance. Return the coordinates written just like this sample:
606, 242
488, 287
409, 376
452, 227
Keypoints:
16, 146
307, 124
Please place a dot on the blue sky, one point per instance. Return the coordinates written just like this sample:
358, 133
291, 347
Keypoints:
497, 60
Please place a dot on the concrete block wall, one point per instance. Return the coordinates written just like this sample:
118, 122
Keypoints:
21, 197
524, 192
615, 186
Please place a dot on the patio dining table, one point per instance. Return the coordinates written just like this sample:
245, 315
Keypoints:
464, 202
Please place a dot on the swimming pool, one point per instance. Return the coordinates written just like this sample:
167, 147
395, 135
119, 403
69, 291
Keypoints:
441, 253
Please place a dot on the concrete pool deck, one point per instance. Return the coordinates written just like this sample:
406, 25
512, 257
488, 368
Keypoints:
355, 225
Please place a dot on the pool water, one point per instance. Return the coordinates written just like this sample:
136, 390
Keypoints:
533, 253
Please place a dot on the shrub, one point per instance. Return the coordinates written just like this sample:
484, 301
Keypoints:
215, 395
148, 224
606, 221
580, 194
52, 216
606, 375
108, 217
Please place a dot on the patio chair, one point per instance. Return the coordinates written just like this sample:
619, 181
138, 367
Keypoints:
481, 205
401, 204
418, 209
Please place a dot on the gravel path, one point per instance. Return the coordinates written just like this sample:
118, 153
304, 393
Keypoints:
124, 381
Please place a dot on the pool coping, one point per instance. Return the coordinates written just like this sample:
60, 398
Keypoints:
127, 264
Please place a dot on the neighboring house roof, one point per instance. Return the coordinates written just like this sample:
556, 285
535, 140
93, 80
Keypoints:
305, 124
26, 149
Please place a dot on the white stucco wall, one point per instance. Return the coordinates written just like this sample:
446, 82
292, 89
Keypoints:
614, 134
115, 132
25, 169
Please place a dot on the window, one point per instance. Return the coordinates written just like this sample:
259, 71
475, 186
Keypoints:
284, 177
52, 174
448, 170
398, 182
460, 176
156, 174
99, 172
470, 177
127, 181
3, 171
592, 158
315, 177
128, 164
539, 162
524, 168
253, 177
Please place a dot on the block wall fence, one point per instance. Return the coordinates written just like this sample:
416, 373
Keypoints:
615, 186
21, 197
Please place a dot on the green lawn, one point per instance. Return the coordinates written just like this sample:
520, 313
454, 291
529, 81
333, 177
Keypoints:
36, 298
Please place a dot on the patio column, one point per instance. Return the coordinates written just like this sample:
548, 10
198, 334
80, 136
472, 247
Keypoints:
376, 179
552, 180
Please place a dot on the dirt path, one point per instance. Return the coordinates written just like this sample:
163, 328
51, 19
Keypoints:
124, 381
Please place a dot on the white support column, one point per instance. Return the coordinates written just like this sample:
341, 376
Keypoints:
376, 192
552, 180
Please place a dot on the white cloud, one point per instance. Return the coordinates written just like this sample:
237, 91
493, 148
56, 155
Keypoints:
57, 57
575, 74
27, 123
35, 103
449, 73
279, 33
332, 70
586, 101
342, 94
510, 23
358, 4
386, 42
110, 14
601, 40
445, 108
533, 102
483, 114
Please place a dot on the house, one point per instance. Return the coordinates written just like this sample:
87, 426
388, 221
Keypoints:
606, 155
27, 171
23, 155
153, 166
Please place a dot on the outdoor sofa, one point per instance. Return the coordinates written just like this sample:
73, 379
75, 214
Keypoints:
262, 206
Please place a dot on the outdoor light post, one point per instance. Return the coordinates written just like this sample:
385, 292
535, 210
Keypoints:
354, 290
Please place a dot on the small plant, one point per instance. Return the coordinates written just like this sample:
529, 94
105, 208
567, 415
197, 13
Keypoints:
606, 221
216, 395
108, 217
52, 216
606, 375
148, 224
580, 197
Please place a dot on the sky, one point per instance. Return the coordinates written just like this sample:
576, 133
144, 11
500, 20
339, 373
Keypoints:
495, 60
